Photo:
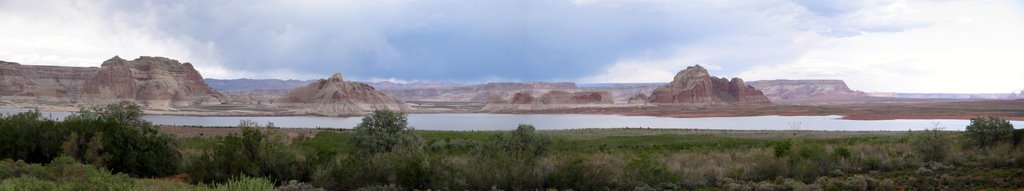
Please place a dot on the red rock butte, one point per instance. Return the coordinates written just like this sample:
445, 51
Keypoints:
694, 86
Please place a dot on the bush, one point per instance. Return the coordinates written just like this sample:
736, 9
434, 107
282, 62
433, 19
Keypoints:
841, 153
1018, 136
782, 148
524, 142
61, 174
645, 171
385, 131
116, 137
384, 151
932, 145
988, 132
582, 174
254, 153
27, 136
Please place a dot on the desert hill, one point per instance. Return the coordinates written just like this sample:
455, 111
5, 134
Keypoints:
336, 97
694, 86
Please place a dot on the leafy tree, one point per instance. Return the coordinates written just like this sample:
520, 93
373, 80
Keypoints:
987, 132
385, 131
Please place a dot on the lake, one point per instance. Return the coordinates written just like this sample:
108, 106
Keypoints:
484, 122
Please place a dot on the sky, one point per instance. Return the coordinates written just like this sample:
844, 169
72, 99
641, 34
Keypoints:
914, 46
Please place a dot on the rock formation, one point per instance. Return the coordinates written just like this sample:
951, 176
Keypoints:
694, 86
585, 97
52, 83
805, 89
558, 97
474, 93
638, 98
521, 98
336, 97
156, 82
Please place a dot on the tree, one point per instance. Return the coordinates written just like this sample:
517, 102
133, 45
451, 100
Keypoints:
385, 131
988, 132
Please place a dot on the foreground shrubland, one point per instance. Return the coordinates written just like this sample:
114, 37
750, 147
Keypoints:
383, 153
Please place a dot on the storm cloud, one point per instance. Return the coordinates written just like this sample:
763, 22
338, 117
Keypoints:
494, 40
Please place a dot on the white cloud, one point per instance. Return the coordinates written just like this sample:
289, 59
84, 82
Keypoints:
896, 46
79, 33
970, 47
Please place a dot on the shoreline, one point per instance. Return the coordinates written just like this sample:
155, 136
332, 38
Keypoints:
860, 112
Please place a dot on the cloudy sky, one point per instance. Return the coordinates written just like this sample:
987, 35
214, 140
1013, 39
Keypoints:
954, 46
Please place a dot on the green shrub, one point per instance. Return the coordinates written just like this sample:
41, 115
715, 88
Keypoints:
385, 131
782, 148
384, 151
254, 153
646, 171
1018, 136
121, 142
28, 136
524, 142
581, 174
987, 132
932, 145
26, 183
63, 173
114, 136
244, 183
841, 153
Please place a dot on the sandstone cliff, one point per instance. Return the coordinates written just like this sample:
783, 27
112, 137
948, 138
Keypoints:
694, 86
51, 83
156, 82
558, 97
778, 90
481, 93
336, 97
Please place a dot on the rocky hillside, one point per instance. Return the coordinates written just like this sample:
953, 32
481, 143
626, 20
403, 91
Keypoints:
54, 83
557, 97
481, 93
156, 82
336, 97
694, 86
779, 90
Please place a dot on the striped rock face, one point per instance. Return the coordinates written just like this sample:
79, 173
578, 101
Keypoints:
156, 82
336, 97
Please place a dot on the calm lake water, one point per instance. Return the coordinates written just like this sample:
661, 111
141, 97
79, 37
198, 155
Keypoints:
467, 122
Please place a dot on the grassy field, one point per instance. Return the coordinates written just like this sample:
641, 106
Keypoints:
727, 160
113, 149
